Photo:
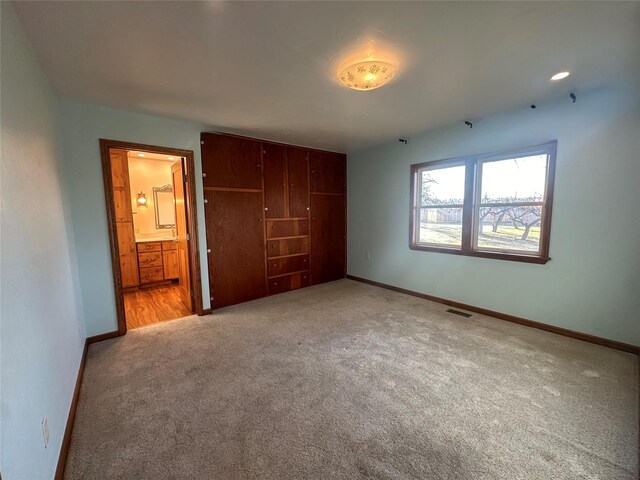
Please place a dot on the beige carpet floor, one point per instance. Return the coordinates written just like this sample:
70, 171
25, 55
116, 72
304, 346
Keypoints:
346, 381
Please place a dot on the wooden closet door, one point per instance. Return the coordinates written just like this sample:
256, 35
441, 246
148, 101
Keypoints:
235, 236
232, 162
124, 217
327, 172
274, 158
328, 239
128, 254
298, 180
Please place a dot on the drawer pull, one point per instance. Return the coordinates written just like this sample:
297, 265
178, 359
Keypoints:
275, 283
275, 264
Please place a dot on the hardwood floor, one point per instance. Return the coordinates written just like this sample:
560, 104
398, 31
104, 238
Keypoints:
153, 305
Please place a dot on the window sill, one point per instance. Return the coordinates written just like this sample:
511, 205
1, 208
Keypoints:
513, 257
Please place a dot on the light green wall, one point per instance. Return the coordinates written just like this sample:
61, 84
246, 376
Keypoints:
81, 126
42, 331
592, 283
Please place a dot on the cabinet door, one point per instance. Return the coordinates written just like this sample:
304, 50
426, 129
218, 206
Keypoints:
119, 167
327, 238
275, 188
235, 238
170, 264
122, 202
128, 255
298, 179
231, 162
327, 172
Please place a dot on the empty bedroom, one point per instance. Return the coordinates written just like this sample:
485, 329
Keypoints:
320, 240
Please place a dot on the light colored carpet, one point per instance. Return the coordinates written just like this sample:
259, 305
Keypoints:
345, 381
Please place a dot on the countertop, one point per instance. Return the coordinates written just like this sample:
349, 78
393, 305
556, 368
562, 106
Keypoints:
145, 240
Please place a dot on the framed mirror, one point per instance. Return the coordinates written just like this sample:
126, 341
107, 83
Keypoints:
163, 203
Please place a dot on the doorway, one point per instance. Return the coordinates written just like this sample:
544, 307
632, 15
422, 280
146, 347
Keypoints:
151, 214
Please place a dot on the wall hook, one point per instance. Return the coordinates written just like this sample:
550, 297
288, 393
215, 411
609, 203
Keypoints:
468, 124
572, 96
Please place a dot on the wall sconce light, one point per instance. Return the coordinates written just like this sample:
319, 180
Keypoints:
142, 199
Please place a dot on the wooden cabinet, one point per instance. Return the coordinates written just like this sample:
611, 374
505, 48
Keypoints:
124, 218
151, 275
286, 181
235, 246
275, 181
231, 162
170, 264
327, 172
157, 262
280, 266
258, 199
122, 202
298, 181
287, 246
127, 253
328, 237
288, 282
287, 228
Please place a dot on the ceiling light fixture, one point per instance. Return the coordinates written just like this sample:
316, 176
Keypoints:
560, 76
367, 74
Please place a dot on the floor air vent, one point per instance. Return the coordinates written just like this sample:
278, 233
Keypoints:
458, 312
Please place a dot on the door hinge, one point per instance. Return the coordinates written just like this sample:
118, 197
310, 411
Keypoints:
188, 237
185, 178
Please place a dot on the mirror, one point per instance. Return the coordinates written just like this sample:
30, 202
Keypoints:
163, 203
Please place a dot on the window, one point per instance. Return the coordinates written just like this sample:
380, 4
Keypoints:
494, 206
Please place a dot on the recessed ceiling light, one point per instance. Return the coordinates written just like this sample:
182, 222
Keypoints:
141, 154
560, 76
367, 75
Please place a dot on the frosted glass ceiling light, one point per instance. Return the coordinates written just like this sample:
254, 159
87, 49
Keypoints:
560, 76
367, 75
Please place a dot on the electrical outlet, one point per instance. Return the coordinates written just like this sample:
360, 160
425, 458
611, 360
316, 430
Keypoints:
45, 431
367, 254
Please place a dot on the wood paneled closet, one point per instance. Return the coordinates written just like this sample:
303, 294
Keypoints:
275, 216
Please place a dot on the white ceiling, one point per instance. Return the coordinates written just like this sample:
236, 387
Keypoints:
268, 69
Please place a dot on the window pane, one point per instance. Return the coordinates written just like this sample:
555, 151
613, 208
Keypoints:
510, 228
514, 180
444, 186
442, 226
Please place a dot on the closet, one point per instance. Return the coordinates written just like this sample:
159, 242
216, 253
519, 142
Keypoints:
124, 218
275, 217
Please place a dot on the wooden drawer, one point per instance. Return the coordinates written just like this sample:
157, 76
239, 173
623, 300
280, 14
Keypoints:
279, 266
169, 245
290, 246
151, 274
150, 247
288, 282
150, 259
287, 228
